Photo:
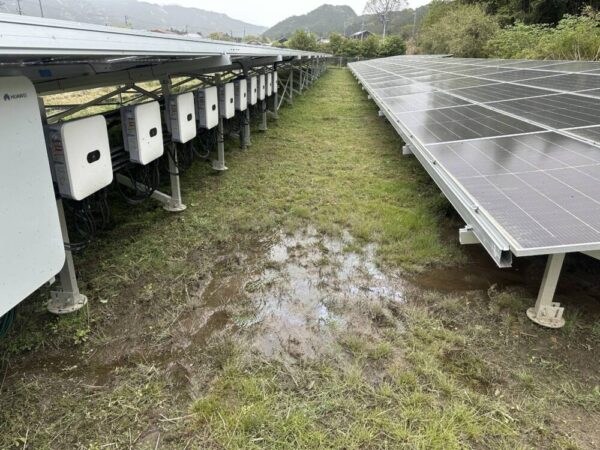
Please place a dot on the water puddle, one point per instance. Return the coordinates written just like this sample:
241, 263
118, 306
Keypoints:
310, 290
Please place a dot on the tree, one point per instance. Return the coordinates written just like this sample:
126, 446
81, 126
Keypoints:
383, 8
303, 40
336, 41
351, 48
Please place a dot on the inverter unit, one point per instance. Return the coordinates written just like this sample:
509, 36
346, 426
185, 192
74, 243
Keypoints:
241, 95
142, 132
269, 84
227, 101
182, 117
252, 90
275, 82
81, 155
262, 87
207, 107
31, 242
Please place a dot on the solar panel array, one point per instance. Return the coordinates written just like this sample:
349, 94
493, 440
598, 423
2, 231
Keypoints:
520, 138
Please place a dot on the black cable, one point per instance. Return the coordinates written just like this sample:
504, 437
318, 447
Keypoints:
144, 181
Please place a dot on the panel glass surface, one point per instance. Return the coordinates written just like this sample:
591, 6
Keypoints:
460, 123
570, 83
542, 188
498, 92
518, 75
556, 111
423, 101
590, 133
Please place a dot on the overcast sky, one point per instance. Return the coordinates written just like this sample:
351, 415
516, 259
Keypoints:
268, 12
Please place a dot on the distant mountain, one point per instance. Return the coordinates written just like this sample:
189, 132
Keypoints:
134, 14
322, 21
329, 19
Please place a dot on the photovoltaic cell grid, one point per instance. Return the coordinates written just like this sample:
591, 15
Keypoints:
520, 138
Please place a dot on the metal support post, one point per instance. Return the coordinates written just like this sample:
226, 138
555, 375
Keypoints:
275, 104
263, 116
242, 133
301, 84
248, 142
407, 150
68, 299
219, 163
291, 94
547, 312
175, 203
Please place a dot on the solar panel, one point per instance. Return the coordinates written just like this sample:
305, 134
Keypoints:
463, 122
498, 92
574, 66
591, 133
518, 75
571, 82
459, 83
556, 111
424, 101
534, 185
591, 93
512, 144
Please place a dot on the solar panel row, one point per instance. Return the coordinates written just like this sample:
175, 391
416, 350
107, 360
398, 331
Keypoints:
519, 138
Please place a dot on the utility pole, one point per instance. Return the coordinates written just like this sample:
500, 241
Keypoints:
19, 6
41, 9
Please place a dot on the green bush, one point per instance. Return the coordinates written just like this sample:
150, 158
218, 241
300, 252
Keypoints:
369, 48
458, 29
575, 38
392, 46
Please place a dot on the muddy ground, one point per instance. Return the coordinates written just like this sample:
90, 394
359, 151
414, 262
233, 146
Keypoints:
278, 319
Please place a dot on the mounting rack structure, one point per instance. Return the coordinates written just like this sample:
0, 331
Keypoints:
42, 57
513, 144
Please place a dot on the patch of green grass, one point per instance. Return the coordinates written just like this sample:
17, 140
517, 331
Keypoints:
267, 406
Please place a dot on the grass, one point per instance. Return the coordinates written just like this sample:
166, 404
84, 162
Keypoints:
443, 371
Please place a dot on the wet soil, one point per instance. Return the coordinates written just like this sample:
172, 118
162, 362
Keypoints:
291, 297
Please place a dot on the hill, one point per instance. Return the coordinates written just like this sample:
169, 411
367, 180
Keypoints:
134, 14
322, 21
328, 19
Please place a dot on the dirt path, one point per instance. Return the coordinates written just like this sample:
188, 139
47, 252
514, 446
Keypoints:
314, 296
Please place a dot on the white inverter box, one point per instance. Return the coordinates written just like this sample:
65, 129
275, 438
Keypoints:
241, 94
227, 100
207, 107
275, 82
262, 86
142, 132
81, 156
269, 84
182, 117
31, 242
252, 90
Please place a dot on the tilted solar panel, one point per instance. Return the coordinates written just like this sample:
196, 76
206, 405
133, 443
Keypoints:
513, 144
